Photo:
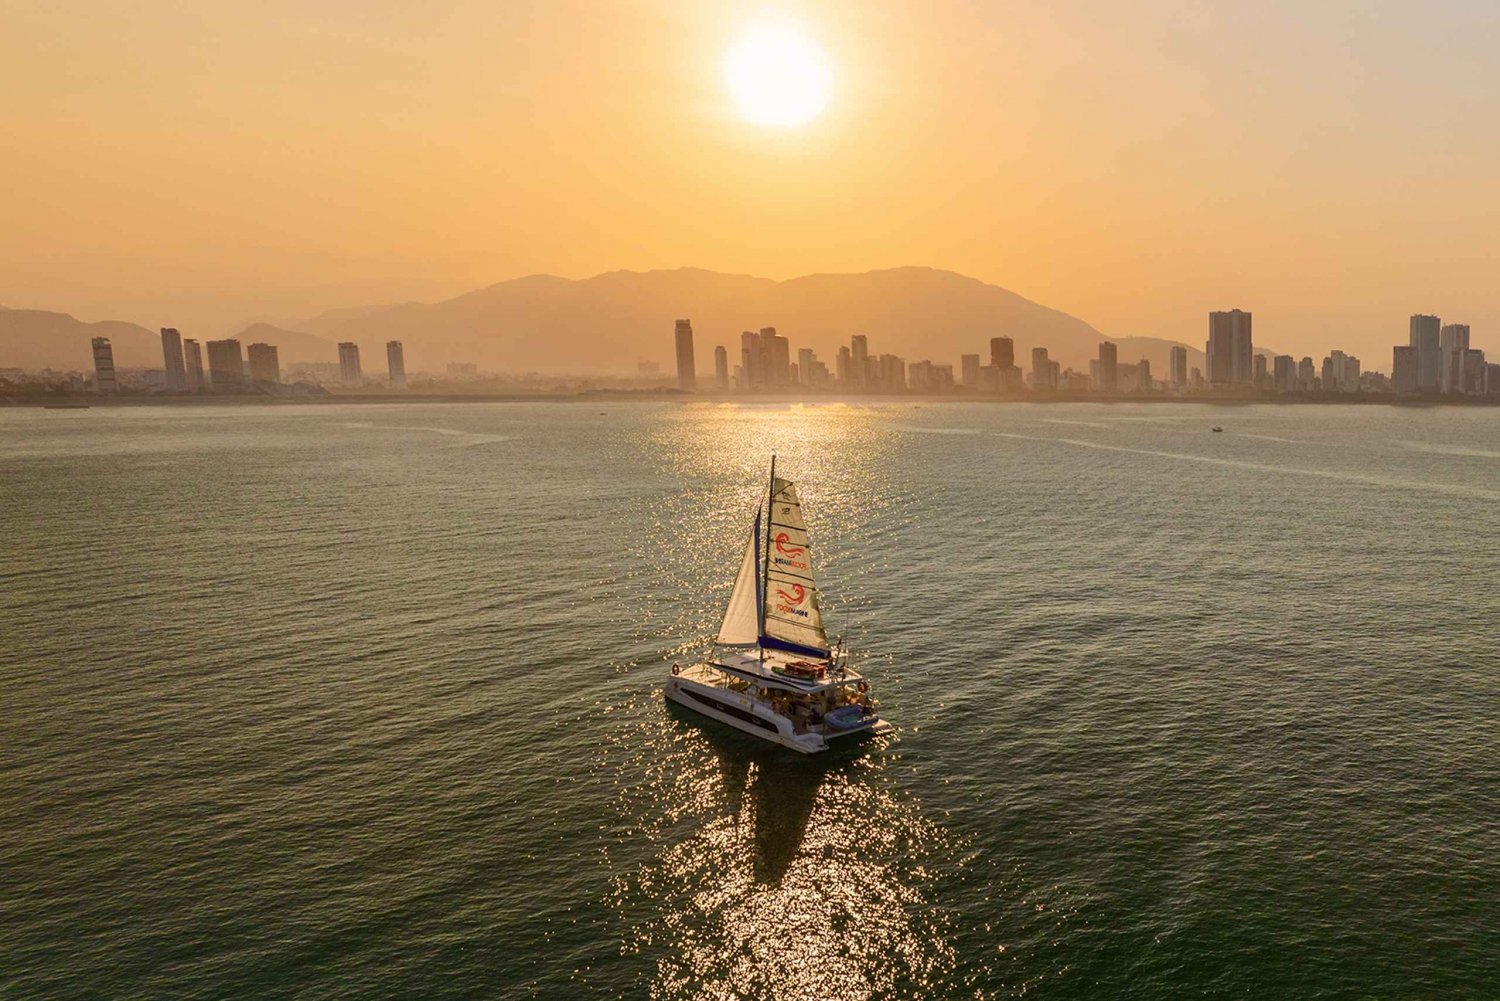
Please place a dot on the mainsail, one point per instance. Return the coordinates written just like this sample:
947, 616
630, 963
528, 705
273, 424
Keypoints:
792, 619
742, 617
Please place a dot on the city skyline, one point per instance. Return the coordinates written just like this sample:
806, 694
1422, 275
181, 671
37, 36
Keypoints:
604, 325
1438, 360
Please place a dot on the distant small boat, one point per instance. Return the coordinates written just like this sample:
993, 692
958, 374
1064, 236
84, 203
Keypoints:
1218, 430
65, 406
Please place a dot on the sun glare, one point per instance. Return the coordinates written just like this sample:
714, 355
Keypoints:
777, 76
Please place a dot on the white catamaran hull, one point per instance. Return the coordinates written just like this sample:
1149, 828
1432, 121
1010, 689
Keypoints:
752, 715
744, 713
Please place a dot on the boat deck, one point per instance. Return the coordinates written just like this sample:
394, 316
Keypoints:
768, 669
715, 676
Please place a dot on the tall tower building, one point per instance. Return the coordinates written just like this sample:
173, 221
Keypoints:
171, 356
1285, 378
1109, 367
226, 365
1002, 353
806, 362
687, 371
265, 364
349, 373
721, 368
843, 363
104, 366
859, 361
1178, 367
395, 360
1426, 339
753, 363
778, 352
1041, 369
1453, 343
1229, 348
969, 370
192, 356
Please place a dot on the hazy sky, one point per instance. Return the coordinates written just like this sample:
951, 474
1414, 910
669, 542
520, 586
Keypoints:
1333, 166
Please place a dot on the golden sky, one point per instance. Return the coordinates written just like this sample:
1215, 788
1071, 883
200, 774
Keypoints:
1333, 165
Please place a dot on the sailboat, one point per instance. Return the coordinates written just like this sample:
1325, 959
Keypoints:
771, 671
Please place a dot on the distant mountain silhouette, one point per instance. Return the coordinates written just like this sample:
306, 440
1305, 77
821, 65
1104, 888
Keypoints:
37, 338
291, 345
610, 322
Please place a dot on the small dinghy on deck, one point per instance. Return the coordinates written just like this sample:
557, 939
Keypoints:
849, 718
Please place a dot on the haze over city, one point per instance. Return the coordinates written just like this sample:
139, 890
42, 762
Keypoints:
1330, 167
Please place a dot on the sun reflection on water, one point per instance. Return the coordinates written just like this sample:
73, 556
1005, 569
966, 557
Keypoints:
740, 870
777, 876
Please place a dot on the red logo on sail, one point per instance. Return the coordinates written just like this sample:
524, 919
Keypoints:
798, 595
781, 545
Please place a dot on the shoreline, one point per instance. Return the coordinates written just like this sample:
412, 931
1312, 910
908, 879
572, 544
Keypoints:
79, 401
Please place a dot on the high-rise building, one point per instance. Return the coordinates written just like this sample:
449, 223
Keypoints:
755, 361
265, 366
1109, 365
1426, 339
1306, 375
1178, 369
969, 367
687, 370
892, 369
919, 377
1284, 376
395, 360
171, 356
1340, 373
349, 373
1143, 376
226, 365
1002, 353
1453, 342
104, 366
721, 368
1229, 347
192, 356
809, 370
859, 360
1474, 369
778, 353
1041, 369
843, 366
1260, 378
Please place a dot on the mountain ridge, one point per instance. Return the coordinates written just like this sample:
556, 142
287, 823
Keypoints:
609, 322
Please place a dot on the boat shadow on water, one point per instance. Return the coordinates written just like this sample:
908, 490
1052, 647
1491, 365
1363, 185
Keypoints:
773, 788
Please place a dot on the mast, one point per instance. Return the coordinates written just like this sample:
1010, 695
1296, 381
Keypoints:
765, 576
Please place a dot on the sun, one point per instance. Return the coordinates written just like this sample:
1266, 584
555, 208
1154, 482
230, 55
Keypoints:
777, 76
